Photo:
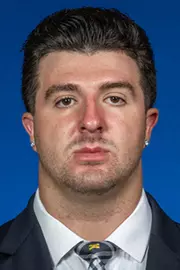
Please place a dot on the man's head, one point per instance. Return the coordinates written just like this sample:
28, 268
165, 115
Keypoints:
90, 56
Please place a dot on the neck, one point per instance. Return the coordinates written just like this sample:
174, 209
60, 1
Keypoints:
92, 217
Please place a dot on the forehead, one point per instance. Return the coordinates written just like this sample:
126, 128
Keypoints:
87, 69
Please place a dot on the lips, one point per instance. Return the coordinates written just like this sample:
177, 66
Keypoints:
91, 150
87, 154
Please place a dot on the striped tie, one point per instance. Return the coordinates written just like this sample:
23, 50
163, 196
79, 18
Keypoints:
96, 253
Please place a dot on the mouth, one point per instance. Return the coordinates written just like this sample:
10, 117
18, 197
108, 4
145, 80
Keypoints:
91, 154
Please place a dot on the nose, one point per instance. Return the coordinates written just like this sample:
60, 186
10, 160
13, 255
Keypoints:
92, 118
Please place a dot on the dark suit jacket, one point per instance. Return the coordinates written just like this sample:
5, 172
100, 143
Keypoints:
23, 247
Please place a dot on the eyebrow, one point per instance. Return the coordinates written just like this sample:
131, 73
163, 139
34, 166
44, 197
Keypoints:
70, 87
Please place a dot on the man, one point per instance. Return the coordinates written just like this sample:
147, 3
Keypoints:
89, 86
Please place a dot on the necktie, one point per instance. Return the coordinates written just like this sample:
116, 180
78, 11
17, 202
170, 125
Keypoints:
96, 253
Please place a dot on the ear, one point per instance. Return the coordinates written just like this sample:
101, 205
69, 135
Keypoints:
28, 123
151, 120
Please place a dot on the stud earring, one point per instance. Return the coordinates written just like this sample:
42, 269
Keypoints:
32, 144
146, 142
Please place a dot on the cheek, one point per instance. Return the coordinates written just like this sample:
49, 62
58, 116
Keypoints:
128, 126
53, 130
45, 129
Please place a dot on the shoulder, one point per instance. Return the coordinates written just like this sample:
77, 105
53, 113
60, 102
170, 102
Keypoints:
160, 215
177, 225
4, 228
14, 229
163, 227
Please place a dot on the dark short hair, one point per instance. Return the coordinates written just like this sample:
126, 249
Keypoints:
87, 30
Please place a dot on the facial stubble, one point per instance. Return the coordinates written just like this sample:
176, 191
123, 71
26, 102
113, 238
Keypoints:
95, 178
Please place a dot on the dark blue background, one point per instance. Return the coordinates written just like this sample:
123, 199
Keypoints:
161, 159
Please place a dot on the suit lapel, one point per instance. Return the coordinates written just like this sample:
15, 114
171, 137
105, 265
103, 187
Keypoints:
164, 246
33, 254
160, 257
24, 246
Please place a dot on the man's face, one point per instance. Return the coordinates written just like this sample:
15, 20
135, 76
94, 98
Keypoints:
90, 101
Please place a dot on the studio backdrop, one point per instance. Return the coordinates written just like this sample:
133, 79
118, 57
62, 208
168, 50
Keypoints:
161, 159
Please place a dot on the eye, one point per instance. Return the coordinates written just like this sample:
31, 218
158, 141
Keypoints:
64, 102
116, 100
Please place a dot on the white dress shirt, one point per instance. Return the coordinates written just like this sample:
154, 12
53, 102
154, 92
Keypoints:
132, 238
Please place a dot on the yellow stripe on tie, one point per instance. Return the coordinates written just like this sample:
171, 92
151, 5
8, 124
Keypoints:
92, 246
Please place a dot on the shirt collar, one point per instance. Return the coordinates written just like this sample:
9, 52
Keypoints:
132, 236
